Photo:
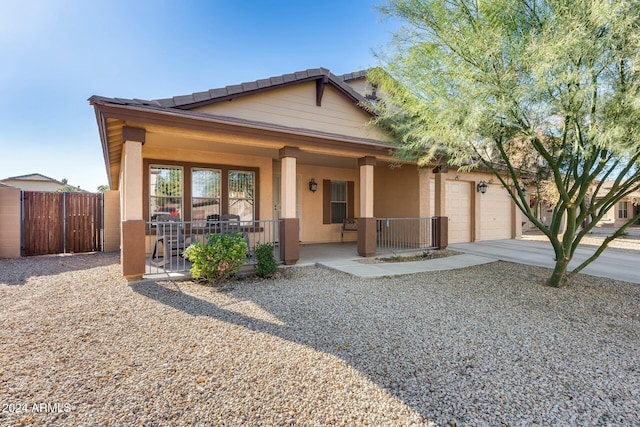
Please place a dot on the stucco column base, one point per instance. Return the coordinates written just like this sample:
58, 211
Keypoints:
132, 255
290, 240
366, 237
441, 232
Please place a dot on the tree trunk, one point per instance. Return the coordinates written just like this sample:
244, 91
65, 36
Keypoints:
559, 276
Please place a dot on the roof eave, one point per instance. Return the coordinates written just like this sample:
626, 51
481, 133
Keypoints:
97, 102
145, 113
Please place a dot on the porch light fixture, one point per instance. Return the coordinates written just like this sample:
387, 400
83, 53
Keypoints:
313, 185
523, 189
481, 187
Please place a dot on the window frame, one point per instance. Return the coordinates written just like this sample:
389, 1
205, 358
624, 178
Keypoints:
326, 200
344, 202
623, 210
218, 197
148, 188
253, 198
187, 184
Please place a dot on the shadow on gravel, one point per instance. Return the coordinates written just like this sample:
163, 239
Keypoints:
311, 321
455, 348
19, 270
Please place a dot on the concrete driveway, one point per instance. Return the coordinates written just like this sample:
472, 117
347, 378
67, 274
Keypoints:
612, 263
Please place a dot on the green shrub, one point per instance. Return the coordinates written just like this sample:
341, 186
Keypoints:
266, 263
219, 258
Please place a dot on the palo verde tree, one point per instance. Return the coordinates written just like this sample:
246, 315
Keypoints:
523, 88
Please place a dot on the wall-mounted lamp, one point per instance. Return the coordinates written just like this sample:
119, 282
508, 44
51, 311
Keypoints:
313, 185
523, 189
481, 187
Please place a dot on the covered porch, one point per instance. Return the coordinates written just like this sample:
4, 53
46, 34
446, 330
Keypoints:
393, 236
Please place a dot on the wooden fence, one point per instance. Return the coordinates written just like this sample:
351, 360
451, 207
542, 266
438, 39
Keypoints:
61, 222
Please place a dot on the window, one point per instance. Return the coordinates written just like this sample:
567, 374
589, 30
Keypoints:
165, 192
197, 191
338, 201
241, 194
205, 193
622, 210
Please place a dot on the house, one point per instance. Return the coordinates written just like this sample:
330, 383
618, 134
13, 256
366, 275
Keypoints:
297, 148
35, 182
625, 209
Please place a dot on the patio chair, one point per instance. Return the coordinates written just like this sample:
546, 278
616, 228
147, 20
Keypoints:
169, 232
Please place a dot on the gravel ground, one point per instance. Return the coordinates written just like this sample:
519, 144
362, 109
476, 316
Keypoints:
593, 240
487, 345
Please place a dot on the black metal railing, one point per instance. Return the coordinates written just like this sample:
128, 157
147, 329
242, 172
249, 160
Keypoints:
169, 239
405, 234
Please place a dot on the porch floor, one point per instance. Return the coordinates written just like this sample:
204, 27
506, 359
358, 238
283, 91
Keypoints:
310, 254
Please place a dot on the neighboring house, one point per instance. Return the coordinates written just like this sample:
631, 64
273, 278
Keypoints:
625, 209
35, 182
255, 149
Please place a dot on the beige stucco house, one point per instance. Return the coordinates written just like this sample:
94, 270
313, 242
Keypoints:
257, 149
34, 182
624, 210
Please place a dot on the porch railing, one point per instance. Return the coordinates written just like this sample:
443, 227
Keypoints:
405, 234
167, 240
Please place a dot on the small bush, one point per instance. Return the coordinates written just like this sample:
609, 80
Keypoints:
266, 263
219, 258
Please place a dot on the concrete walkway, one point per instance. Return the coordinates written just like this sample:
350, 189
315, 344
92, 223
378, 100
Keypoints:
352, 266
612, 263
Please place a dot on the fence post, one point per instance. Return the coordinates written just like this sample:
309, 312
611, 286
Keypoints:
64, 223
440, 231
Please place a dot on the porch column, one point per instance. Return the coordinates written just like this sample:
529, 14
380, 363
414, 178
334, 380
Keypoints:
441, 222
367, 221
424, 208
290, 226
132, 239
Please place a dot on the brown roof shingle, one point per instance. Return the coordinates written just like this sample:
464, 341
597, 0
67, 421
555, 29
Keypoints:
197, 99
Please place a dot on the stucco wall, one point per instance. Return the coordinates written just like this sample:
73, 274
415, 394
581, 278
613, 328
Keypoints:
9, 222
312, 230
396, 192
111, 221
295, 106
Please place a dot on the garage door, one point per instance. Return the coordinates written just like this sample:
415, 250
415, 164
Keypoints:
458, 209
495, 214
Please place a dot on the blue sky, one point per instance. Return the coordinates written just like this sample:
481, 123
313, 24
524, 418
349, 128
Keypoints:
57, 53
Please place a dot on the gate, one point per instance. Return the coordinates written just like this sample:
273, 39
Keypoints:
54, 223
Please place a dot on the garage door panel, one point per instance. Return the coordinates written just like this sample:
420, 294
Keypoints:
458, 210
495, 214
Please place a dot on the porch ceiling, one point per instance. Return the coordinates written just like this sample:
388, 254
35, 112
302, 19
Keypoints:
237, 140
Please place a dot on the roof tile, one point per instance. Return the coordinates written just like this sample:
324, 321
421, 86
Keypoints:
217, 93
232, 90
183, 99
187, 101
249, 86
202, 96
262, 83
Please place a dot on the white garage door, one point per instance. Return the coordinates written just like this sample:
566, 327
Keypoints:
495, 214
458, 207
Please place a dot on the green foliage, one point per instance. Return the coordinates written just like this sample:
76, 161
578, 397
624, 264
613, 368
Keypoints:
102, 188
169, 183
528, 89
218, 259
266, 263
67, 189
